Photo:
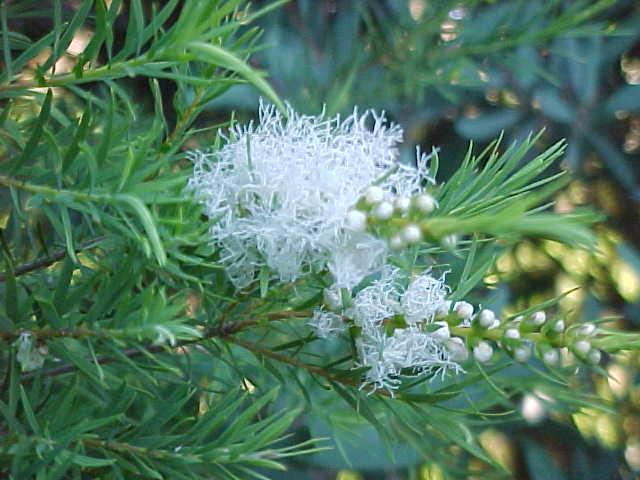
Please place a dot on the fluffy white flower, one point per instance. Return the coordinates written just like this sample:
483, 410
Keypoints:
377, 302
326, 324
415, 349
353, 256
408, 351
278, 194
424, 298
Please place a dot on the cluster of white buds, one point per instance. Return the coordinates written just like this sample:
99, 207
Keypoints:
524, 334
521, 336
376, 211
581, 338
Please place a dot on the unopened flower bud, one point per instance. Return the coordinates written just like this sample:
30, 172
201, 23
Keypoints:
522, 353
512, 333
486, 318
332, 298
582, 347
533, 409
442, 333
518, 319
558, 327
449, 241
538, 318
412, 234
551, 357
464, 310
356, 221
383, 211
483, 352
426, 203
632, 454
443, 309
457, 349
586, 330
402, 204
594, 356
396, 242
373, 195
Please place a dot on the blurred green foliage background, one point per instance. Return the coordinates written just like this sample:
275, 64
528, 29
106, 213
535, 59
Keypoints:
451, 72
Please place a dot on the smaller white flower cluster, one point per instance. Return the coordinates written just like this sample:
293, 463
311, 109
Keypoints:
29, 356
403, 327
417, 344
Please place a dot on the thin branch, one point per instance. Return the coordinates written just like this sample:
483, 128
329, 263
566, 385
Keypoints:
44, 262
131, 449
314, 369
223, 330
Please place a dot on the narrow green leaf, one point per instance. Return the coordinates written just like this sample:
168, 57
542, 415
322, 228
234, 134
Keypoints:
80, 135
618, 163
145, 469
103, 148
11, 420
92, 462
155, 25
625, 99
133, 40
10, 290
6, 50
219, 56
554, 106
62, 285
31, 52
68, 233
14, 384
62, 45
468, 283
244, 418
36, 133
93, 47
114, 10
28, 412
487, 125
67, 348
263, 277
127, 169
144, 215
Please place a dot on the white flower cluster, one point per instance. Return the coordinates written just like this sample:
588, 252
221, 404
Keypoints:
29, 356
422, 345
278, 194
